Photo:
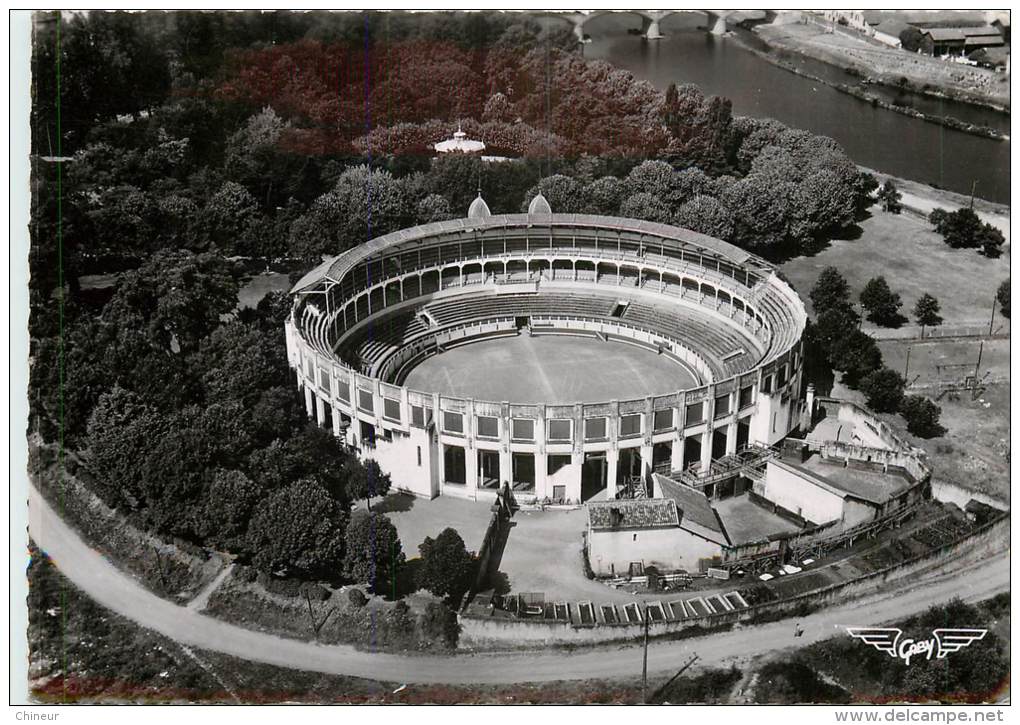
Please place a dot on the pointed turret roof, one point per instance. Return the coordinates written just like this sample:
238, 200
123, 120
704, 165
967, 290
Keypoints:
539, 205
478, 209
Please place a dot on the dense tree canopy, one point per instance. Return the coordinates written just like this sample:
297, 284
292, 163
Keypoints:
373, 555
922, 416
884, 388
298, 531
447, 566
883, 305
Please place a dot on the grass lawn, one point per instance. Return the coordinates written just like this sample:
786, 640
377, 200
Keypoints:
974, 452
914, 260
957, 358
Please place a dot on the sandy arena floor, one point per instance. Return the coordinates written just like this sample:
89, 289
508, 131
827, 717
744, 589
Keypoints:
551, 369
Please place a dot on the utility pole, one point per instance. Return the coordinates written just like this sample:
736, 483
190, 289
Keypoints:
688, 663
991, 322
906, 366
644, 662
977, 365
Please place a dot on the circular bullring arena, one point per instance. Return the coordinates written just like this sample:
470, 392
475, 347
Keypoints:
563, 355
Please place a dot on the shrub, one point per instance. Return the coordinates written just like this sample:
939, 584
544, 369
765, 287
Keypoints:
884, 388
882, 303
439, 624
889, 197
1002, 297
922, 416
356, 597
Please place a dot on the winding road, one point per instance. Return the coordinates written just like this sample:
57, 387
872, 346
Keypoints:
102, 581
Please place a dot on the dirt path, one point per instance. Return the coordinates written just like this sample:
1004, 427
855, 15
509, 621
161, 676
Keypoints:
116, 591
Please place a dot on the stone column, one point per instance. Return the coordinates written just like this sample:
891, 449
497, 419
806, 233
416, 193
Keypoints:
320, 411
676, 459
612, 462
505, 467
647, 453
336, 421
471, 469
309, 402
731, 438
706, 449
542, 475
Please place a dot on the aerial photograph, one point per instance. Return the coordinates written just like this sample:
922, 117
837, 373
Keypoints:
513, 357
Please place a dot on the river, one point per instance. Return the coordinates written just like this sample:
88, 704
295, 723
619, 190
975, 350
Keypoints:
874, 137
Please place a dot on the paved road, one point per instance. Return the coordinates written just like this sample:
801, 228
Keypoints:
87, 569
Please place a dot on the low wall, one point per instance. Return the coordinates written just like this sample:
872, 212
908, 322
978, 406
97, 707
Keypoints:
887, 448
951, 493
489, 631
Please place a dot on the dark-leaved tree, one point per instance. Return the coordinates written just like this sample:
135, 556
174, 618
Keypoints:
365, 479
447, 566
372, 552
883, 305
298, 531
922, 416
884, 389
856, 354
831, 290
1002, 297
926, 312
889, 197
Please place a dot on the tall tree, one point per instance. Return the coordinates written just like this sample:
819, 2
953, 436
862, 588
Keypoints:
884, 389
178, 295
830, 291
882, 303
922, 416
926, 312
447, 566
298, 531
365, 479
890, 197
372, 552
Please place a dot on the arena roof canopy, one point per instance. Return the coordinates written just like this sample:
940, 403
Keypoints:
651, 233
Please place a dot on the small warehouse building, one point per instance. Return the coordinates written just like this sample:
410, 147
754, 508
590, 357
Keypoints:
823, 491
670, 532
959, 41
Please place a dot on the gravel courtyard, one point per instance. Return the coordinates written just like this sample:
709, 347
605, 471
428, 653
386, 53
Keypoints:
543, 553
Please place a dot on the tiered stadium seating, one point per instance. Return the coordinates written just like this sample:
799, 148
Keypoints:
462, 309
699, 331
379, 338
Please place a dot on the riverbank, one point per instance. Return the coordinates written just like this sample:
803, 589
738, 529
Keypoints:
920, 199
889, 66
777, 50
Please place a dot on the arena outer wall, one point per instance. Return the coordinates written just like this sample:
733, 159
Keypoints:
432, 444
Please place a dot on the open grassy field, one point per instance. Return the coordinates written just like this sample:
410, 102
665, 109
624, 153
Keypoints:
552, 369
938, 361
914, 260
